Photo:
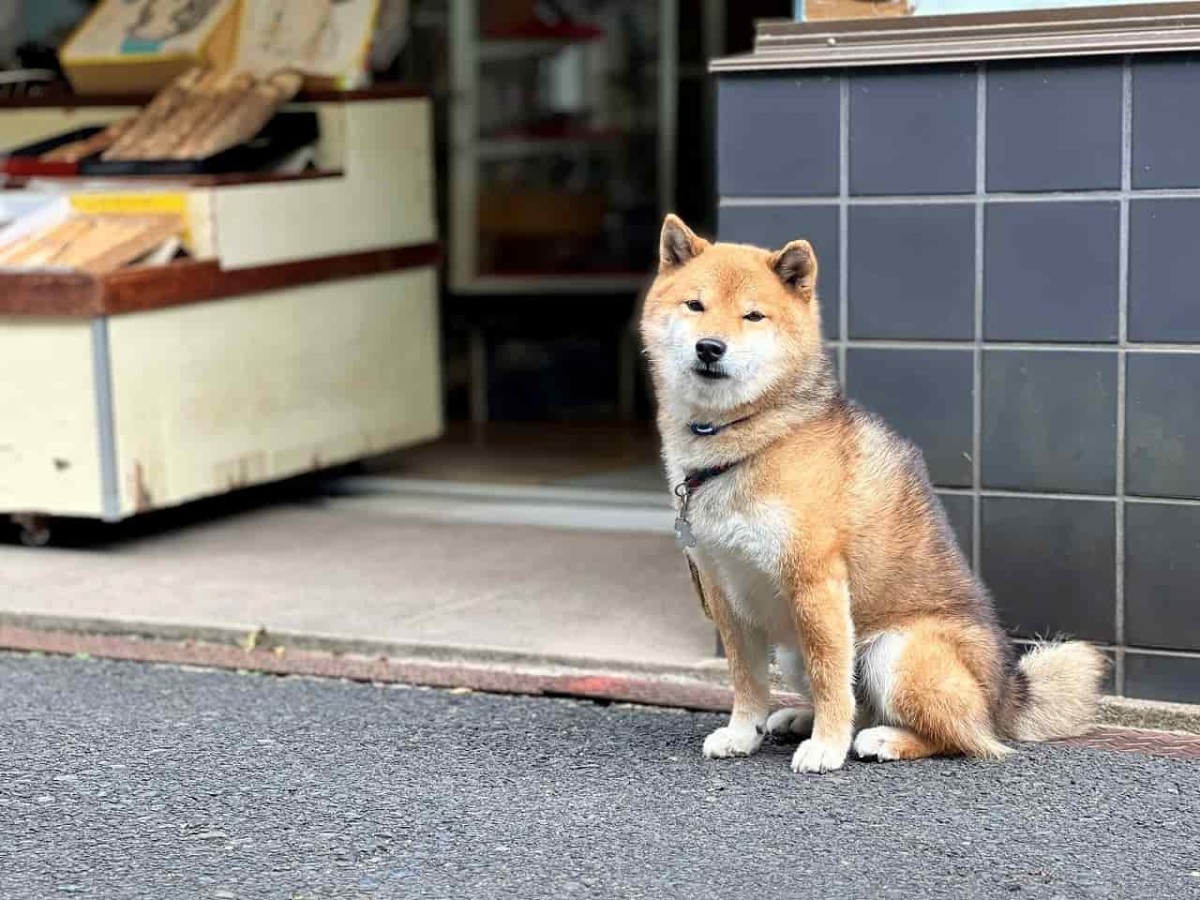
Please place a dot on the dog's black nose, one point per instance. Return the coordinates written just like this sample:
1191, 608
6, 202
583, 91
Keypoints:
710, 350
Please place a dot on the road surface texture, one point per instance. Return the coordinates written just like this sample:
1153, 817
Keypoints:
120, 780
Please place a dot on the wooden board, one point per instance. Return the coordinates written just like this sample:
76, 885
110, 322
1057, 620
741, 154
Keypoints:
65, 100
49, 443
143, 288
217, 396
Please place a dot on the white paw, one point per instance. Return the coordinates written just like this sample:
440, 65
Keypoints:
819, 756
732, 740
878, 743
790, 722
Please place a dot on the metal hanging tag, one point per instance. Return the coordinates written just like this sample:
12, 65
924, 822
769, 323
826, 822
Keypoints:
683, 528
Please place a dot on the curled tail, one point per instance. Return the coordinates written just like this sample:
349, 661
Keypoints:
1060, 691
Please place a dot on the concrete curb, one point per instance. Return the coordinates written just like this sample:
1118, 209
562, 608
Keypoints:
710, 672
1140, 726
534, 677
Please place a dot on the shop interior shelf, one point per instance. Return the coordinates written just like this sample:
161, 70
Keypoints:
560, 282
510, 146
534, 38
537, 30
139, 288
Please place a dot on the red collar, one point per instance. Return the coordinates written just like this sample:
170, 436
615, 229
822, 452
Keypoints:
693, 480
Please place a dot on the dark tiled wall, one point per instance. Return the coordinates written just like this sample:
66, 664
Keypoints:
1010, 273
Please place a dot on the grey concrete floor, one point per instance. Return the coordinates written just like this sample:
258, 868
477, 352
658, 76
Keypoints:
126, 781
376, 567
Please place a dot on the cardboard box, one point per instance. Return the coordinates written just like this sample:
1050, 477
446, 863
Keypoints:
328, 40
139, 46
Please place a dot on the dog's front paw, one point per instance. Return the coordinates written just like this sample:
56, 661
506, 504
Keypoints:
732, 740
819, 756
790, 723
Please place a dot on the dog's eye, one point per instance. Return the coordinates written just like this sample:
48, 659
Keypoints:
695, 306
754, 316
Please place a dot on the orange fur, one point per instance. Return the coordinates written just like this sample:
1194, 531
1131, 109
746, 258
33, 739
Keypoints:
904, 743
828, 509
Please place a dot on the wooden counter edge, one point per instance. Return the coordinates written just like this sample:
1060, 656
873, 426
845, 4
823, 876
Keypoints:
82, 101
232, 179
139, 289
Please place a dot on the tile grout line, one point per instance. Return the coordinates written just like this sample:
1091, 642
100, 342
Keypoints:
966, 199
843, 222
977, 342
1034, 346
1142, 651
1043, 495
1155, 651
1163, 501
956, 491
1123, 262
1116, 649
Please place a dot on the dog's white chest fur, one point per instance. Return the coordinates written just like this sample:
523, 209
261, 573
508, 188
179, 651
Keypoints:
744, 541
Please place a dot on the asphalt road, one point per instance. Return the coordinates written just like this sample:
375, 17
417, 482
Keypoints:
121, 781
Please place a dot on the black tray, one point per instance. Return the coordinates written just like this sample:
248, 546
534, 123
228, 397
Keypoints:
284, 134
27, 160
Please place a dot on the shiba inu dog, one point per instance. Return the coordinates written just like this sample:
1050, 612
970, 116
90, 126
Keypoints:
814, 529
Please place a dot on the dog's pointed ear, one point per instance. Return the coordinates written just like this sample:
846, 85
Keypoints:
796, 266
678, 244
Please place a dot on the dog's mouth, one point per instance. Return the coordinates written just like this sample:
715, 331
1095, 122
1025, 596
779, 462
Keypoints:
710, 373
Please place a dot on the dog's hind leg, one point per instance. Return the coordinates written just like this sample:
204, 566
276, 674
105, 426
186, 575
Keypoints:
887, 742
926, 700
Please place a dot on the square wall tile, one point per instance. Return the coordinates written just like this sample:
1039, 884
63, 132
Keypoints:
1166, 129
960, 510
912, 131
1051, 271
777, 136
925, 395
773, 226
912, 272
1162, 570
1051, 565
1049, 420
1164, 270
1162, 424
1175, 679
1054, 126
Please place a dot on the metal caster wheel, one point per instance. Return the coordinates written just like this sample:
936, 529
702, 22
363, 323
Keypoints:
34, 530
